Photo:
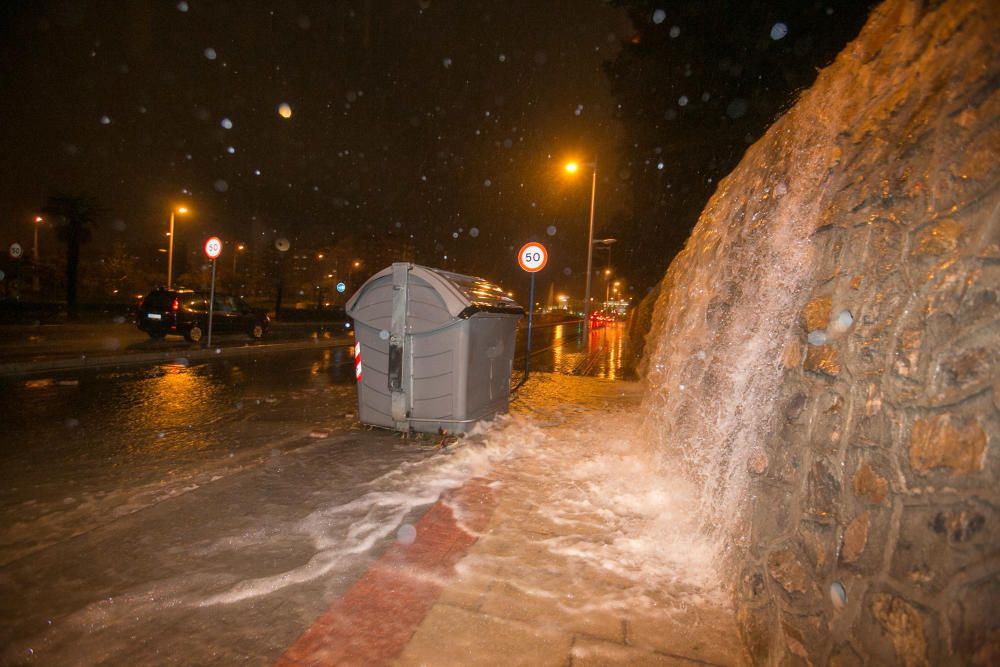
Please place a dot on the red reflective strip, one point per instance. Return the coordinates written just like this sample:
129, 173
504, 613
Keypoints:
357, 361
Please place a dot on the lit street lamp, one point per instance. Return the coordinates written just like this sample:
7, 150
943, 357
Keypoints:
240, 247
572, 167
170, 247
34, 253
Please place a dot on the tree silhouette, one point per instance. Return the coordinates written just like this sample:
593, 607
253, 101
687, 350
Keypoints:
74, 217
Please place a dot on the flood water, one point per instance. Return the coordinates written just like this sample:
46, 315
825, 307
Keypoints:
142, 506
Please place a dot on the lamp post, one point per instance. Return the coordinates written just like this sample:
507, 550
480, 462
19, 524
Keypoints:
607, 243
237, 250
34, 254
170, 246
572, 167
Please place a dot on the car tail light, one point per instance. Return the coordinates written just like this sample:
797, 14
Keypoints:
176, 305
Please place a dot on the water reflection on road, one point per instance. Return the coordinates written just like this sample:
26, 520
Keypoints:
567, 349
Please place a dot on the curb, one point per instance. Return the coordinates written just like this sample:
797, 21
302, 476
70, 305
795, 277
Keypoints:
84, 362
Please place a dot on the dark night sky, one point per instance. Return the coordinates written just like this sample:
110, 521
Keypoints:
441, 122
410, 117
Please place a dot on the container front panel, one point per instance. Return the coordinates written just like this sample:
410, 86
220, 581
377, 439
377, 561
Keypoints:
433, 360
374, 402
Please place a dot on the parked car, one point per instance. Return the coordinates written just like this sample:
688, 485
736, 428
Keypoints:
184, 312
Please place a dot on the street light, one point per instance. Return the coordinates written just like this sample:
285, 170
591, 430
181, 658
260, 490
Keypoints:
34, 253
170, 247
240, 247
572, 168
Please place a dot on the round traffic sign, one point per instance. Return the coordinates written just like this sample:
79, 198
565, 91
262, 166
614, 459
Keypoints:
341, 287
15, 250
213, 247
532, 257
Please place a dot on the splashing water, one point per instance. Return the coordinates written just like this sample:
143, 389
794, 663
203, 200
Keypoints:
720, 328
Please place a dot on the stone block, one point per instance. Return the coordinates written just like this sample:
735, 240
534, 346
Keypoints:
962, 368
907, 353
806, 638
816, 314
823, 359
790, 570
946, 441
974, 618
899, 629
937, 239
758, 630
844, 655
855, 538
819, 543
937, 542
868, 485
822, 491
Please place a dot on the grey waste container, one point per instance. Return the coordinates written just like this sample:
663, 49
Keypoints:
435, 347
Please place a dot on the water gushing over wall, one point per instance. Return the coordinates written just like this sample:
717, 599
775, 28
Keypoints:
823, 356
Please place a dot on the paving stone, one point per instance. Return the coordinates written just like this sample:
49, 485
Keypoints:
596, 653
707, 634
455, 636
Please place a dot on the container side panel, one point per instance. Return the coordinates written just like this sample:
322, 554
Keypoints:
491, 350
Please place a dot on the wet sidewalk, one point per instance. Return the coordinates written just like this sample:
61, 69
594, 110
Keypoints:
572, 552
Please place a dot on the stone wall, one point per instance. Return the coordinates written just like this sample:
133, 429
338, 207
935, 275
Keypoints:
870, 530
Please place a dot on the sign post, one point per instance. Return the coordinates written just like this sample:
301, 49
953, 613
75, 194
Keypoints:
532, 257
213, 248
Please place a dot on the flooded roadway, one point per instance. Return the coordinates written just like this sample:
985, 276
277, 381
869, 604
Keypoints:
237, 495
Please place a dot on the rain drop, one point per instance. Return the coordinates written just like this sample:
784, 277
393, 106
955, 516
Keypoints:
474, 232
682, 100
567, 271
551, 230
817, 337
737, 108
778, 31
210, 53
446, 62
285, 110
182, 6
231, 150
659, 16
221, 185
105, 120
226, 123
675, 32
407, 534
487, 183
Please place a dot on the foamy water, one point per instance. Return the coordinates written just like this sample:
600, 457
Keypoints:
715, 353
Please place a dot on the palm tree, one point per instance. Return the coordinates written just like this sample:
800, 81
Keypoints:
74, 217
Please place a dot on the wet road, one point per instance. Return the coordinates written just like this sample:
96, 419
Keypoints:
143, 505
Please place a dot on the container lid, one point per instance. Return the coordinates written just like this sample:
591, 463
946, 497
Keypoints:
462, 296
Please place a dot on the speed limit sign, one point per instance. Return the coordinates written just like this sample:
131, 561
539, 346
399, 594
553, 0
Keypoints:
213, 247
532, 257
15, 250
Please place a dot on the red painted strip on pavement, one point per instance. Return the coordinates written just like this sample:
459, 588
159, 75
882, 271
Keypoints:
377, 616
